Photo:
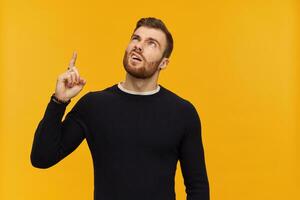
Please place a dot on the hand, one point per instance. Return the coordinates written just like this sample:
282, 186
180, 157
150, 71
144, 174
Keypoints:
69, 83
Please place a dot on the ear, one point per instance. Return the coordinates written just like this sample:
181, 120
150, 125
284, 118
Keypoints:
163, 64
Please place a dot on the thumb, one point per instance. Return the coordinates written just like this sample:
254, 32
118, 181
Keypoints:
82, 81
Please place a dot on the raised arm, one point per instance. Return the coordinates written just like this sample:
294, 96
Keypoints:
54, 139
192, 160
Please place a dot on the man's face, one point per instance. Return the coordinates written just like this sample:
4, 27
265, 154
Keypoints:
144, 52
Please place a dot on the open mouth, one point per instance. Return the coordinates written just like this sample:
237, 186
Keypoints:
136, 57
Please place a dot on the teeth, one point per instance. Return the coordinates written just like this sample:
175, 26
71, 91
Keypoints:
135, 57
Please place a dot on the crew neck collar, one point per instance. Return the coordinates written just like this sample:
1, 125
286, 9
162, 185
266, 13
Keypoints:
138, 93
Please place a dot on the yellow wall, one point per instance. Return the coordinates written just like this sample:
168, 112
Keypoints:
236, 61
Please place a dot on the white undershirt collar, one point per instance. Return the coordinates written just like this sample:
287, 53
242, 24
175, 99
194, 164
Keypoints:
139, 93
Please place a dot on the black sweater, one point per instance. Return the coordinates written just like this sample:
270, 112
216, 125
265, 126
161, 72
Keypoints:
135, 142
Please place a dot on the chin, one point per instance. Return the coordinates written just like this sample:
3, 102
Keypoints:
137, 72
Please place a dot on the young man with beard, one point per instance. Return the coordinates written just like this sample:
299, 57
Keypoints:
136, 130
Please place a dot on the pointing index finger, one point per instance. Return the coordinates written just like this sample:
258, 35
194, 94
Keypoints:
73, 60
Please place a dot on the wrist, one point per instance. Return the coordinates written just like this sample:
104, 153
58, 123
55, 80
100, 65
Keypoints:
58, 100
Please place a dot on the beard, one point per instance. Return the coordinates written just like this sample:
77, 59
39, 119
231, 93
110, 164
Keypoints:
144, 71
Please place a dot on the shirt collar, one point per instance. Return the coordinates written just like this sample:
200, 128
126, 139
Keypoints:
138, 93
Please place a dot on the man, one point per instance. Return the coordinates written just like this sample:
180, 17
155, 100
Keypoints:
136, 130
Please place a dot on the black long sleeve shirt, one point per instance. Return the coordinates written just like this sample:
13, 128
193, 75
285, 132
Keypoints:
135, 142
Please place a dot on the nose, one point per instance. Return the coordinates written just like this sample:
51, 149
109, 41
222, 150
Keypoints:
138, 47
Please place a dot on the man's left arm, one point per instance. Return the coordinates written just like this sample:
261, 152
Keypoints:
192, 160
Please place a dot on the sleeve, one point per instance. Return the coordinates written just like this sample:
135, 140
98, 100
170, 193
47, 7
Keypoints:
54, 139
192, 160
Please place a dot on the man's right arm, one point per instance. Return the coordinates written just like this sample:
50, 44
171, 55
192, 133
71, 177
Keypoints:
54, 139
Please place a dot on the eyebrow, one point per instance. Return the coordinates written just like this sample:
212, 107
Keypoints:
149, 38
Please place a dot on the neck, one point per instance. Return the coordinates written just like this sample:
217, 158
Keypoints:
140, 85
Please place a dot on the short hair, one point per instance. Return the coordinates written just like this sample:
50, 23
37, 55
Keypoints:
155, 23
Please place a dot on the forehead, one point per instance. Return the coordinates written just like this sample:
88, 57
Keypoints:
147, 32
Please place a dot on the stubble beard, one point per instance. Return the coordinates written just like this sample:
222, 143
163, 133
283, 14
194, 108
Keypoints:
140, 72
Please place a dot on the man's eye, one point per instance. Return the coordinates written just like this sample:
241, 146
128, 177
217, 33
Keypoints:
134, 38
152, 43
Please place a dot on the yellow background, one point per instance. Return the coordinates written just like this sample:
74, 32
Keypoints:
237, 61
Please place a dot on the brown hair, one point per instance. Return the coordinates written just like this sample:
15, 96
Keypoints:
152, 22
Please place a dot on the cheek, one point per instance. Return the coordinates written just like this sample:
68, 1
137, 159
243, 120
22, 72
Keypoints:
129, 48
152, 55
